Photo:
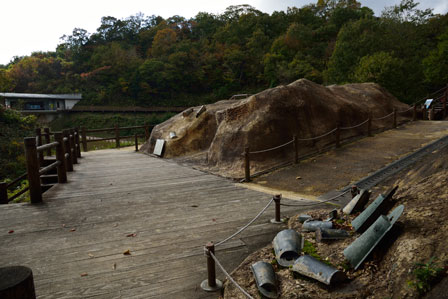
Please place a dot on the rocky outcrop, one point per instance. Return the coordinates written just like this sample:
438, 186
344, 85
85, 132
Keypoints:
270, 118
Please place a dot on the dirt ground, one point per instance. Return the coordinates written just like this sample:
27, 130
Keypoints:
338, 168
420, 234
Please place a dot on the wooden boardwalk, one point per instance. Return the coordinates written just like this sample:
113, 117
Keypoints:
74, 241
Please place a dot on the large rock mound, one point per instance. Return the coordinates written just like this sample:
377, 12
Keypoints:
271, 118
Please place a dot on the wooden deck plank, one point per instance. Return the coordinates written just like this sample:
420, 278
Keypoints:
113, 193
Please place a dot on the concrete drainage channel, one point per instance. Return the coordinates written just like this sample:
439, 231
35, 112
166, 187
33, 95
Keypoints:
387, 171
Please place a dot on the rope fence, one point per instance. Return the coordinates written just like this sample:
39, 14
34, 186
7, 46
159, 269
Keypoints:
318, 137
384, 117
317, 203
272, 148
356, 126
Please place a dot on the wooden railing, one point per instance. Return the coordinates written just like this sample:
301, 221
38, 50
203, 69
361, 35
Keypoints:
116, 129
57, 152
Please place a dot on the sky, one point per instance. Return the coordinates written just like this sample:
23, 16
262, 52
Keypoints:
28, 26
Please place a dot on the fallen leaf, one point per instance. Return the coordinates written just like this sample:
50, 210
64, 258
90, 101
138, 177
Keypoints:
298, 178
114, 266
131, 235
91, 255
84, 274
194, 206
116, 224
73, 229
127, 252
11, 231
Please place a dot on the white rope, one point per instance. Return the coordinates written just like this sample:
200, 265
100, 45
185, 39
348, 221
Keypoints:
358, 125
384, 116
273, 148
230, 277
317, 137
314, 204
247, 225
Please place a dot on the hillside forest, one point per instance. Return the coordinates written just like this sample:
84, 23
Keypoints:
148, 60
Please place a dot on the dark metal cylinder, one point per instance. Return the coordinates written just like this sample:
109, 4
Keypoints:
211, 271
246, 164
277, 199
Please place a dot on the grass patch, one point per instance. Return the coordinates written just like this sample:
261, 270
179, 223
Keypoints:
426, 275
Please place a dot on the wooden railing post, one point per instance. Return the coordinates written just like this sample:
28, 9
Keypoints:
414, 113
395, 118
136, 142
47, 139
32, 167
73, 147
77, 143
431, 113
369, 126
39, 143
3, 193
338, 136
146, 131
211, 284
62, 170
67, 155
84, 139
246, 164
296, 149
117, 136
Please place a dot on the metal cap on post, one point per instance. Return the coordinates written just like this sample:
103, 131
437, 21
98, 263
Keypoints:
62, 169
277, 198
32, 167
247, 164
211, 284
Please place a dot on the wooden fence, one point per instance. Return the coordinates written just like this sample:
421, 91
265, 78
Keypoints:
50, 155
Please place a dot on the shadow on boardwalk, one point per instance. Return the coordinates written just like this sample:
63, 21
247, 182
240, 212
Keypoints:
74, 241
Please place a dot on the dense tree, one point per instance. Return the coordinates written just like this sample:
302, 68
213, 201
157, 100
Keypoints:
154, 61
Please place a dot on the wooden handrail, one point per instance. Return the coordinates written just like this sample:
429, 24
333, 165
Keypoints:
46, 146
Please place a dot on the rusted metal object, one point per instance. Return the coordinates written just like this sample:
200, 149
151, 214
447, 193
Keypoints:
358, 251
304, 217
187, 112
373, 211
200, 111
313, 268
287, 247
313, 225
323, 234
265, 279
357, 203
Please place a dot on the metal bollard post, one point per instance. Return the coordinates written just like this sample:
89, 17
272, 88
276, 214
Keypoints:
247, 164
211, 284
78, 144
3, 193
277, 198
136, 142
414, 113
296, 150
117, 136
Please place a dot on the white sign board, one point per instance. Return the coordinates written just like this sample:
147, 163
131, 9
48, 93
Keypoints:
158, 149
428, 103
